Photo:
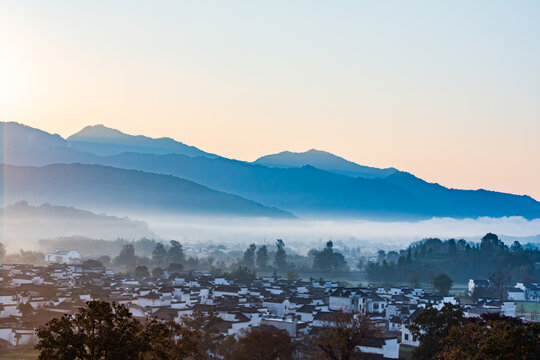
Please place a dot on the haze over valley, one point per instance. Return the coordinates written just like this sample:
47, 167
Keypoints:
186, 193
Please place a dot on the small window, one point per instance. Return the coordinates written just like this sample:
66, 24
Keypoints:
406, 336
375, 306
414, 338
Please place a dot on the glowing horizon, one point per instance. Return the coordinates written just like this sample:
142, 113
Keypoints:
448, 92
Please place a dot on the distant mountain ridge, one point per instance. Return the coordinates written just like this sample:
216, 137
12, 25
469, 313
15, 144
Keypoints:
103, 188
322, 160
21, 220
102, 140
304, 190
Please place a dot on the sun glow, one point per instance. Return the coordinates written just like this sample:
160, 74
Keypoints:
11, 84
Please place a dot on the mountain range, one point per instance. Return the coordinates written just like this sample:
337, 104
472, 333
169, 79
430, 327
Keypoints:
113, 169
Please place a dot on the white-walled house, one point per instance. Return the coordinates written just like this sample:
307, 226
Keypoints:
516, 294
407, 338
388, 348
61, 256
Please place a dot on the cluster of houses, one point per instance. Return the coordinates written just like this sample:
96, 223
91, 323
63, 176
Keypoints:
299, 307
522, 291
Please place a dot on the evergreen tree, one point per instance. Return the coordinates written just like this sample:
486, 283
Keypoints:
176, 253
442, 284
249, 257
141, 271
159, 255
280, 260
127, 257
262, 258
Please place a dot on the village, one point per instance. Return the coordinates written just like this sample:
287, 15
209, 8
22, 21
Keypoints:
32, 295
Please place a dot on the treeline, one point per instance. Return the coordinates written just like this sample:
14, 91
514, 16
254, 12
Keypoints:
104, 331
262, 260
459, 259
326, 260
94, 247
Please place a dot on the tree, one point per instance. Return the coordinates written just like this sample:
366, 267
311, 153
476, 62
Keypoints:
98, 331
516, 247
249, 257
25, 309
176, 254
2, 252
442, 284
491, 244
105, 260
262, 258
157, 272
499, 279
280, 260
431, 327
169, 340
175, 267
264, 343
328, 260
159, 255
340, 338
141, 271
92, 263
201, 330
127, 257
292, 275
241, 273
452, 247
492, 339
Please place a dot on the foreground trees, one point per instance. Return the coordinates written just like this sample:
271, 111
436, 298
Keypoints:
339, 339
497, 339
432, 327
104, 331
99, 331
448, 335
263, 343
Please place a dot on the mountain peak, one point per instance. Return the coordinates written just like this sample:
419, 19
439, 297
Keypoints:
322, 160
104, 141
98, 131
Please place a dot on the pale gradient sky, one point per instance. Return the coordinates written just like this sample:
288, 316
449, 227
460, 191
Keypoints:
449, 91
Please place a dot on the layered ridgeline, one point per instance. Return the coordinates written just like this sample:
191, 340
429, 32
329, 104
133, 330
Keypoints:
103, 188
314, 183
21, 221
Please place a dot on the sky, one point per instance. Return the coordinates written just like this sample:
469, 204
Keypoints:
446, 90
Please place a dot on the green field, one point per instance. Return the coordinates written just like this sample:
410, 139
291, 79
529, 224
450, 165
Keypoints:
529, 309
405, 352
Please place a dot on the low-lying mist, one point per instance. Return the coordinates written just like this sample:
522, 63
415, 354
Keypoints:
303, 235
23, 232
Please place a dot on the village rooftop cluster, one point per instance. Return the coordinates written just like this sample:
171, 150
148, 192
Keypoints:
32, 295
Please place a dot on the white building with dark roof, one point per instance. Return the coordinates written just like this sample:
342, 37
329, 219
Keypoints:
61, 256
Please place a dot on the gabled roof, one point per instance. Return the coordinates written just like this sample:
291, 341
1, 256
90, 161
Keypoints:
308, 309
